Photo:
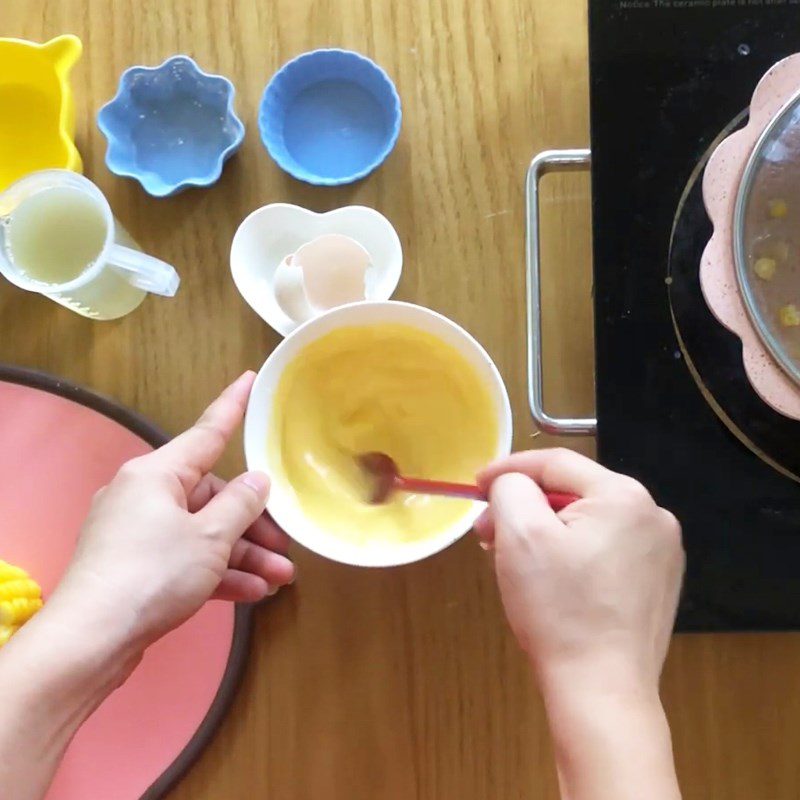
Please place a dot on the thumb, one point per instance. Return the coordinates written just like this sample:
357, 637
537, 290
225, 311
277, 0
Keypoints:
520, 509
237, 506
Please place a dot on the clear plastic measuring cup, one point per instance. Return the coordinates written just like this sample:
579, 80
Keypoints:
48, 219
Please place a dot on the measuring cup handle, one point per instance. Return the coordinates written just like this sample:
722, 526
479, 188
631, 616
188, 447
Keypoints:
144, 272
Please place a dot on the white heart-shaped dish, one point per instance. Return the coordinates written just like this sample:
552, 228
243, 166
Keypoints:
274, 231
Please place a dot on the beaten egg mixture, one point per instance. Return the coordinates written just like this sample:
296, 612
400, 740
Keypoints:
390, 388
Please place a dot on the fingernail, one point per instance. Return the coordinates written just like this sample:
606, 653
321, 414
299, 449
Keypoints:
273, 590
485, 546
241, 379
257, 481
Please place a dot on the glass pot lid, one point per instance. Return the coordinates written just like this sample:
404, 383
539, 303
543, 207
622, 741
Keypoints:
766, 237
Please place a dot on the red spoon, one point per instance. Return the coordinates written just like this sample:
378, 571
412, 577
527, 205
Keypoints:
386, 479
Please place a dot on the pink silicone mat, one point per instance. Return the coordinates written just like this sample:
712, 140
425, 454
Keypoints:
58, 445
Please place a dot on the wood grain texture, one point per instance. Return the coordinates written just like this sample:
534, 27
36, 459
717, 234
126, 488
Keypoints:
401, 684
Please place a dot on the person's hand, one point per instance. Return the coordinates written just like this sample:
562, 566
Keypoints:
166, 535
591, 594
596, 584
162, 538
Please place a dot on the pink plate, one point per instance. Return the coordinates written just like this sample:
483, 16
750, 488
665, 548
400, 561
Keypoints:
717, 270
59, 445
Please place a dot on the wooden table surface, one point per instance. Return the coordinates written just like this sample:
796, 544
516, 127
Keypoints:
401, 684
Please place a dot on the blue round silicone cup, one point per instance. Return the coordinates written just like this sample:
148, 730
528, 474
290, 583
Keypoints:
329, 117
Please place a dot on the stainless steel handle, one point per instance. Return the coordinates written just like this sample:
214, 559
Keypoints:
547, 161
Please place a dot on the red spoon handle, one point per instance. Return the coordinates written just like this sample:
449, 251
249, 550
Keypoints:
424, 486
557, 500
560, 500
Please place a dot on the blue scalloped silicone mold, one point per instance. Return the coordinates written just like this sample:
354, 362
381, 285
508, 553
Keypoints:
171, 126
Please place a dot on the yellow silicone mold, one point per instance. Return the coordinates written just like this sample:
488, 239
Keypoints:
37, 123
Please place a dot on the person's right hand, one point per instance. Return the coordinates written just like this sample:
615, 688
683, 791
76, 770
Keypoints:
594, 587
591, 594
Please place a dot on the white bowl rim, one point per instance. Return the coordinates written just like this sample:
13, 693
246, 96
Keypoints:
257, 458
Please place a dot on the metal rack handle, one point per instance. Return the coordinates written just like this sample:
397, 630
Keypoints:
547, 161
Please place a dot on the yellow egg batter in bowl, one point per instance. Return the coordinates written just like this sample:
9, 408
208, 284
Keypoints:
389, 377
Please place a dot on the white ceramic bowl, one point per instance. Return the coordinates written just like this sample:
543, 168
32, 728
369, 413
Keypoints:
283, 504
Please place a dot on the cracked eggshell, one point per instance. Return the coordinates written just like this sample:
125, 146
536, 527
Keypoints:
334, 269
290, 291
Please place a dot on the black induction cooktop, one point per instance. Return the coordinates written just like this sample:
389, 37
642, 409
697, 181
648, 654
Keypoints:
669, 78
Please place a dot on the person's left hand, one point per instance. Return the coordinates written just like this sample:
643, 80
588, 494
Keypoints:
166, 535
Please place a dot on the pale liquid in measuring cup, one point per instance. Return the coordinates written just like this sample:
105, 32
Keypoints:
53, 237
